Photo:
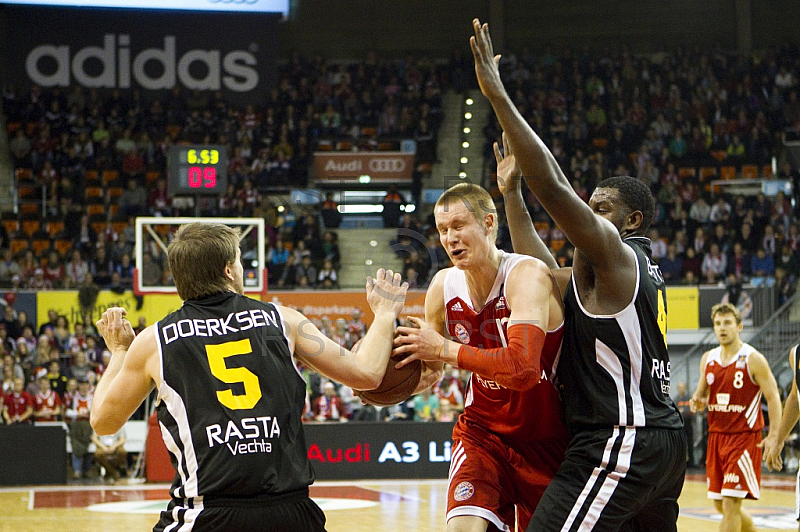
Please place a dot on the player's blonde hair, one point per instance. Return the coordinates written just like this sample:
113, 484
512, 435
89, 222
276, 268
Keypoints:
475, 199
198, 256
726, 308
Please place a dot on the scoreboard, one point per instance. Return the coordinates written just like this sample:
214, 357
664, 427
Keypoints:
197, 169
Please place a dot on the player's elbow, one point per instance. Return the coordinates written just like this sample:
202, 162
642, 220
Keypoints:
368, 380
104, 423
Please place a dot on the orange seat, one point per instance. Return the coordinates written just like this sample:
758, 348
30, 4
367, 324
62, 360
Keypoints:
91, 176
750, 171
600, 142
18, 244
325, 145
63, 246
708, 172
95, 209
11, 226
727, 172
23, 174
99, 227
369, 132
29, 227
344, 145
26, 192
54, 227
719, 155
28, 207
40, 246
110, 176
686, 171
94, 194
119, 227
114, 192
152, 177
12, 127
766, 171
386, 146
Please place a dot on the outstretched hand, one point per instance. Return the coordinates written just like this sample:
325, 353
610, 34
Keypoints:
386, 293
486, 62
115, 329
509, 174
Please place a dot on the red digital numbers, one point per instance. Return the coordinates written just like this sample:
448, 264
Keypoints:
205, 177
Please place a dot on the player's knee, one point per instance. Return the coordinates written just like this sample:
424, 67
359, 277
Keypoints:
731, 505
718, 506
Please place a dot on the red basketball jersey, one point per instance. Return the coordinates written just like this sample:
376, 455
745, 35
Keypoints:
734, 402
49, 400
17, 403
532, 415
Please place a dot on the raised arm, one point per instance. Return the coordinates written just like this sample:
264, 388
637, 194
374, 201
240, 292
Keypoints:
131, 373
524, 237
364, 369
595, 238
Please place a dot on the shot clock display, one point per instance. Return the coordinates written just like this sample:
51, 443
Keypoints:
197, 169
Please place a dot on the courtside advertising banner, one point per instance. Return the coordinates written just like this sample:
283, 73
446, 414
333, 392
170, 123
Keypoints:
397, 449
153, 51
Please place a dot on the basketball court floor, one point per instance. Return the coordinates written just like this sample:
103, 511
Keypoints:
387, 506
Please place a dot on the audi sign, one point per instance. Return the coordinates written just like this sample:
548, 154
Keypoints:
348, 167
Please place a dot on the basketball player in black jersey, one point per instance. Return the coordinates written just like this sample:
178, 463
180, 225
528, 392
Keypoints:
791, 413
230, 398
625, 465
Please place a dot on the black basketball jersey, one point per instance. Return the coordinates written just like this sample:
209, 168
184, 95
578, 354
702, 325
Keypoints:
614, 370
231, 400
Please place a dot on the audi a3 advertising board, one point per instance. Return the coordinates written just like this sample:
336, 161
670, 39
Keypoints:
110, 49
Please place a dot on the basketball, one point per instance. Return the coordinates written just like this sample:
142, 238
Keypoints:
397, 384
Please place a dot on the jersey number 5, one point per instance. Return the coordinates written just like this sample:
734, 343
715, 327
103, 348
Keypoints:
216, 361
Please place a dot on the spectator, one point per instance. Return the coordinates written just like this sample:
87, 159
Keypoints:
329, 406
739, 263
110, 454
329, 211
76, 270
8, 268
671, 265
763, 268
58, 382
54, 271
391, 207
46, 403
80, 431
133, 201
327, 276
426, 406
306, 271
39, 281
714, 265
18, 405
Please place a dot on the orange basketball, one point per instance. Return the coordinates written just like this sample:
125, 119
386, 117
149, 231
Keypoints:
397, 384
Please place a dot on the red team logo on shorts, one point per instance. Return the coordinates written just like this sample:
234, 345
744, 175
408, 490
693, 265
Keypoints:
463, 491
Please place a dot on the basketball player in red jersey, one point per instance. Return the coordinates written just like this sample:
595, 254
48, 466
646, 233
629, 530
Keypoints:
505, 316
733, 377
